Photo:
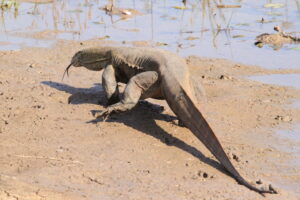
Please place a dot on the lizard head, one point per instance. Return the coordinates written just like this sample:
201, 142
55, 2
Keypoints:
93, 59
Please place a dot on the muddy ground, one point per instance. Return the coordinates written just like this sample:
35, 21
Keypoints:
49, 151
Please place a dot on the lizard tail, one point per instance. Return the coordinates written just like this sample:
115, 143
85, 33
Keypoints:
186, 110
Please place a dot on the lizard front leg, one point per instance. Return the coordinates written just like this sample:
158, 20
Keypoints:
110, 85
136, 87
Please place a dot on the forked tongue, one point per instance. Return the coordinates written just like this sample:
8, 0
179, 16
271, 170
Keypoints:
66, 71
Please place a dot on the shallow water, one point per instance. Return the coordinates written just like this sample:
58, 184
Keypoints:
291, 80
293, 138
202, 29
293, 135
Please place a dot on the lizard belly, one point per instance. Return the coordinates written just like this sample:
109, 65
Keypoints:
125, 73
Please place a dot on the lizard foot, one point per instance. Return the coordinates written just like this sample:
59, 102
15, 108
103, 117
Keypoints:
103, 114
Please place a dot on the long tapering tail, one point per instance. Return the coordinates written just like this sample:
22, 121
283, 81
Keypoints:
186, 110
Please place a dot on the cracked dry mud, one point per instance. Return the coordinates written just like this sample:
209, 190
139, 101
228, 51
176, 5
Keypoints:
48, 151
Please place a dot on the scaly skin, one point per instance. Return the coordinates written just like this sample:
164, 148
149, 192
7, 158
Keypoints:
153, 73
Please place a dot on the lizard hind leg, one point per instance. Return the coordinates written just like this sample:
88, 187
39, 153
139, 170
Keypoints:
135, 88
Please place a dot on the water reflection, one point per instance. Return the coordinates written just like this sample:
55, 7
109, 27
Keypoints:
187, 27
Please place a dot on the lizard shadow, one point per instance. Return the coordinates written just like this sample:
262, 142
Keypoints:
92, 95
143, 119
138, 118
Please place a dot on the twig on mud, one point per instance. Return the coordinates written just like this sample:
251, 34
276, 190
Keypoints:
50, 158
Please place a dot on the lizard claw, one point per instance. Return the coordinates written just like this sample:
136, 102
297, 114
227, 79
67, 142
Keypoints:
103, 114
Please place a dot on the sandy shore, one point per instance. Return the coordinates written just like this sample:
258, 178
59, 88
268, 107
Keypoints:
49, 151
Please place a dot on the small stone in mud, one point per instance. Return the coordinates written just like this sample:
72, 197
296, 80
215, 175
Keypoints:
278, 117
199, 173
287, 119
31, 65
37, 106
202, 174
259, 182
235, 157
225, 77
283, 118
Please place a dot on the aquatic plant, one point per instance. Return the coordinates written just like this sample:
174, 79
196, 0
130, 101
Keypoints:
8, 4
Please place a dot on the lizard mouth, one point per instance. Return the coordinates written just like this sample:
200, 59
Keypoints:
67, 71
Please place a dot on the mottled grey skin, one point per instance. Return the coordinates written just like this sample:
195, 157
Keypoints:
153, 73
